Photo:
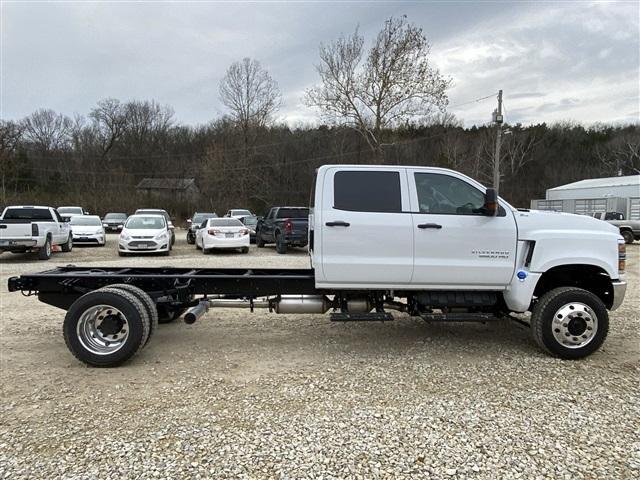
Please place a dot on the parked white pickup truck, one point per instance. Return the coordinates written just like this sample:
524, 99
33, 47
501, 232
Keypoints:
34, 229
430, 242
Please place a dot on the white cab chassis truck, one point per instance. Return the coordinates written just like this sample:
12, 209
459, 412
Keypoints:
430, 242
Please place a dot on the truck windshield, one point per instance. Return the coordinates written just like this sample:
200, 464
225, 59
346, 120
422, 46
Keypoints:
115, 216
27, 214
293, 213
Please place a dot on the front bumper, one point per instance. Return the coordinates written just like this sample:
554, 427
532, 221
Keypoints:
112, 227
96, 238
143, 246
619, 290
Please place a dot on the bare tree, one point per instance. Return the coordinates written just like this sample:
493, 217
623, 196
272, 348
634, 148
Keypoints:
518, 149
147, 123
621, 155
110, 119
10, 135
250, 93
47, 130
252, 96
396, 82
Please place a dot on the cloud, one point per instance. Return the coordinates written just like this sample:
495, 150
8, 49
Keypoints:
67, 56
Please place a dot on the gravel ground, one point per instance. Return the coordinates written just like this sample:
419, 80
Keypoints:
240, 395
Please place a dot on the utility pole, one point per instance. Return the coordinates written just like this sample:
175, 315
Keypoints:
497, 118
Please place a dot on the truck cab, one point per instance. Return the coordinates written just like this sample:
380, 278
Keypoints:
429, 229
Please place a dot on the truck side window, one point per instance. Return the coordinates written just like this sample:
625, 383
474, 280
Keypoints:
367, 191
444, 194
58, 217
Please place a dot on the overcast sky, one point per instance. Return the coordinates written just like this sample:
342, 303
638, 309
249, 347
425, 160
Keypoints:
555, 61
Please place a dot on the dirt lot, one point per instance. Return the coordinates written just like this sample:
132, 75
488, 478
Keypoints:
240, 395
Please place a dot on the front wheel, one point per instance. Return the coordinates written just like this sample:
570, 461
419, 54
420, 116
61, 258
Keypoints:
570, 322
628, 236
259, 240
245, 250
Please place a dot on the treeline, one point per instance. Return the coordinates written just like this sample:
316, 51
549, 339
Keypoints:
96, 161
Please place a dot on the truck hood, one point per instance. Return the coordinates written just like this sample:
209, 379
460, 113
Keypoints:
533, 223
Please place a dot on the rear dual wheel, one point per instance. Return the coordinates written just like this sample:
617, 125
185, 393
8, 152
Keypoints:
107, 327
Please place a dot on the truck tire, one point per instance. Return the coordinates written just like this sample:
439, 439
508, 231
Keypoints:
44, 253
105, 328
628, 236
281, 245
67, 247
245, 250
146, 300
569, 322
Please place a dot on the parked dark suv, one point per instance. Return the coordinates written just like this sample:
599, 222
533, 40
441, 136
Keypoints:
195, 222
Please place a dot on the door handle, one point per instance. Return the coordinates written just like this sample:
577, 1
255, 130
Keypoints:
337, 223
429, 225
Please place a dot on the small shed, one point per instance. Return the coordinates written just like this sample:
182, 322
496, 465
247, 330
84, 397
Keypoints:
177, 188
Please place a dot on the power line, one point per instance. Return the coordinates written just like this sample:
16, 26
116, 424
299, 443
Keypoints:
473, 101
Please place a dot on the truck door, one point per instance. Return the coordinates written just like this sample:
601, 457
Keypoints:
60, 229
456, 245
267, 226
365, 236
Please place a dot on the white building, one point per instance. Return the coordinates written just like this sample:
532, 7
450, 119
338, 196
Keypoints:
586, 197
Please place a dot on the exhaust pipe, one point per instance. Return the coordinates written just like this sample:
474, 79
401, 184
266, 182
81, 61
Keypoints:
194, 313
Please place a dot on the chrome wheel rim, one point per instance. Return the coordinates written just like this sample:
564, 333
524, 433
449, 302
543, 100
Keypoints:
574, 325
102, 329
48, 248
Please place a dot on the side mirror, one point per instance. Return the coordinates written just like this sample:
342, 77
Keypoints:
490, 202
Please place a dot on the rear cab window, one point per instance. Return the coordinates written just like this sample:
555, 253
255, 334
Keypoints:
367, 191
27, 214
293, 213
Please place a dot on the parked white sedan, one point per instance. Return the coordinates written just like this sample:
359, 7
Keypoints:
219, 233
88, 229
145, 234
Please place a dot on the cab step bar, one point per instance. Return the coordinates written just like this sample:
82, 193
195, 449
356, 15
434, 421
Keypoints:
361, 317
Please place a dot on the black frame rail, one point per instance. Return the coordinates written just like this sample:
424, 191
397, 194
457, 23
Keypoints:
61, 286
